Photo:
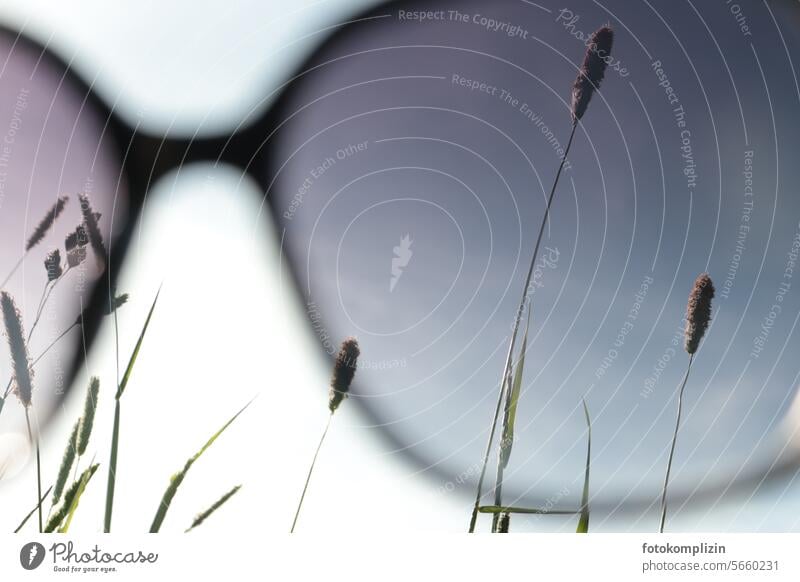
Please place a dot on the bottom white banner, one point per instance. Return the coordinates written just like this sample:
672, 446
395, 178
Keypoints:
618, 557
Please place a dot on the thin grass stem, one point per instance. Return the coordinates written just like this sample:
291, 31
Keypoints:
112, 470
517, 322
498, 495
13, 270
121, 386
672, 448
44, 301
310, 471
52, 343
38, 466
32, 511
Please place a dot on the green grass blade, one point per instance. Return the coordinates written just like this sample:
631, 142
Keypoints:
127, 375
112, 463
71, 497
583, 523
528, 510
176, 480
32, 511
112, 471
217, 504
513, 400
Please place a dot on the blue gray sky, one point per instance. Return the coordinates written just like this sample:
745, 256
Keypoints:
684, 163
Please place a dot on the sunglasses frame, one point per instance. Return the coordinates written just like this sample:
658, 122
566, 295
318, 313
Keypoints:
146, 157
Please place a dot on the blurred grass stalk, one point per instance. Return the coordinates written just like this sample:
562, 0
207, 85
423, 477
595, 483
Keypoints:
176, 479
112, 463
505, 379
588, 80
507, 440
344, 369
698, 316
583, 522
201, 517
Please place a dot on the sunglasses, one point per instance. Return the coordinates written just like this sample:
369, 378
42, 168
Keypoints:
406, 166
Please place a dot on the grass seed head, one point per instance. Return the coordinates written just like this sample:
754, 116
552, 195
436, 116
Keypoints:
66, 464
47, 222
343, 371
52, 263
87, 420
77, 238
119, 301
503, 522
92, 228
71, 493
698, 312
592, 71
20, 361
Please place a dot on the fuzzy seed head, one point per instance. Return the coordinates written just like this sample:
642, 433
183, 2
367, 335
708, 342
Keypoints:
119, 301
598, 51
503, 522
66, 464
52, 264
20, 361
47, 222
698, 312
61, 513
87, 420
344, 369
77, 238
108, 309
92, 228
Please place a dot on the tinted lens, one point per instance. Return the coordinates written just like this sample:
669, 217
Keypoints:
411, 174
52, 144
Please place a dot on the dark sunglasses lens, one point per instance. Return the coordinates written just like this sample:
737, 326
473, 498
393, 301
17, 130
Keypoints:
410, 176
52, 145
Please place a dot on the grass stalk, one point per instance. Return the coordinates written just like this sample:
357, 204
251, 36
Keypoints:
67, 461
113, 455
38, 466
698, 316
672, 448
13, 270
176, 479
38, 234
73, 506
49, 288
583, 522
344, 370
70, 501
512, 343
310, 471
32, 511
112, 471
43, 301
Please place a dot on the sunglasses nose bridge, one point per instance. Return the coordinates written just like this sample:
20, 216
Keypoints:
150, 157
